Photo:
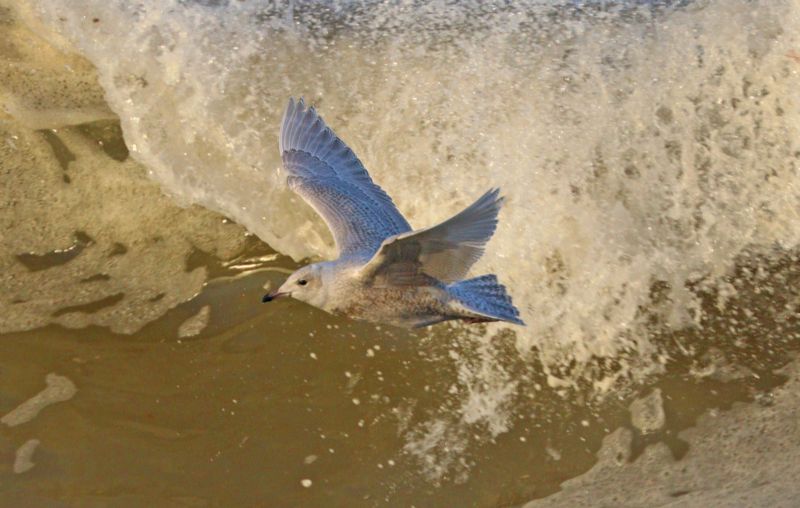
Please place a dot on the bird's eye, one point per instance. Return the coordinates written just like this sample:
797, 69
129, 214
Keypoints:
302, 282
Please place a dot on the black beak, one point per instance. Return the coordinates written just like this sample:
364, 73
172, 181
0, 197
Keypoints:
272, 296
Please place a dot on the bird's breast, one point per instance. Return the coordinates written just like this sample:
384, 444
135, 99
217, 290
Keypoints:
391, 305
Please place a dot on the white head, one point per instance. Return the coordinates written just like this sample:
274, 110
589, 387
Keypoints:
305, 284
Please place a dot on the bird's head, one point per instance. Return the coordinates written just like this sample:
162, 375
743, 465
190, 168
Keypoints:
305, 285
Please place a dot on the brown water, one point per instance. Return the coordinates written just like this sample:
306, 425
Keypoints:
267, 396
284, 405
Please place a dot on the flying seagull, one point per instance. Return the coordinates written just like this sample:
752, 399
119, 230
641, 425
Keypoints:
386, 272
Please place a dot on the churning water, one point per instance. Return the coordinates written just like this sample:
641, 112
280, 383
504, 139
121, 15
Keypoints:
649, 152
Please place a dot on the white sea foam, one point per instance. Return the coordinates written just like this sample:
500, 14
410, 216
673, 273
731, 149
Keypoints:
637, 146
59, 389
23, 459
195, 324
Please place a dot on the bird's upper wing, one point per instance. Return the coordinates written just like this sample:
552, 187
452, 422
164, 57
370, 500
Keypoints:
329, 176
445, 252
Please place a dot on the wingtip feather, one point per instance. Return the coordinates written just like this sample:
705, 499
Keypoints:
496, 197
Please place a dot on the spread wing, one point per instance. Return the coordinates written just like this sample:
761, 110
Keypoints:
329, 176
445, 252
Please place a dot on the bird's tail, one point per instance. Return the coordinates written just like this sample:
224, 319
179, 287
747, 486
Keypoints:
485, 297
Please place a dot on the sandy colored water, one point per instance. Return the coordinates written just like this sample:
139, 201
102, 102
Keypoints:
266, 397
134, 329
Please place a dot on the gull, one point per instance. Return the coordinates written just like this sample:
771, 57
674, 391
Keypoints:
386, 272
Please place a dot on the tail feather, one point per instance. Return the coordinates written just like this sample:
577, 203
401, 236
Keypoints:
486, 297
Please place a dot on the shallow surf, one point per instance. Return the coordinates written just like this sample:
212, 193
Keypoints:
649, 153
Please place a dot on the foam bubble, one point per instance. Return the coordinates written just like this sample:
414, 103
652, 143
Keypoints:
59, 389
195, 324
23, 459
647, 413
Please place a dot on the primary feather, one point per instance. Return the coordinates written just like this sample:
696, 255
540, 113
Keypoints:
327, 174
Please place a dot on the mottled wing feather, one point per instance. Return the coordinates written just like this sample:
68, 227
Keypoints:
329, 176
445, 252
398, 265
342, 205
